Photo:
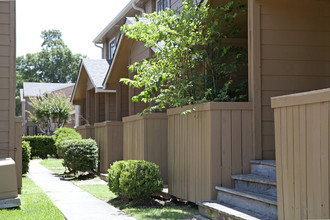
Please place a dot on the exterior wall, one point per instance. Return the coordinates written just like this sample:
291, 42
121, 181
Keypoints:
295, 55
150, 6
302, 155
138, 52
206, 147
145, 138
9, 147
109, 138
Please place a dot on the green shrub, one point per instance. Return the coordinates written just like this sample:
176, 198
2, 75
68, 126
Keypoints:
134, 179
64, 134
41, 146
26, 154
80, 155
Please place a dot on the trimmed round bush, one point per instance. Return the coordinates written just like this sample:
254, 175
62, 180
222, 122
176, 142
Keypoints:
134, 179
41, 146
64, 134
26, 154
80, 155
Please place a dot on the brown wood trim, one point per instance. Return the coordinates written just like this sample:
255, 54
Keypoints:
322, 95
254, 48
214, 106
147, 116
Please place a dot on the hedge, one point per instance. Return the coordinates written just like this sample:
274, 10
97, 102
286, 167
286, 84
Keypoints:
41, 146
26, 154
134, 179
64, 134
80, 155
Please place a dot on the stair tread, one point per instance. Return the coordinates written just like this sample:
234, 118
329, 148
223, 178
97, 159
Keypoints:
264, 162
255, 196
254, 178
233, 211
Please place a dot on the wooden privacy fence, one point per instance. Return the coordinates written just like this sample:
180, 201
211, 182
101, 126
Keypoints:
207, 147
109, 138
145, 138
302, 154
86, 131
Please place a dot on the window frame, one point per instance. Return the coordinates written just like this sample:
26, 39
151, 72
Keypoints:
162, 5
112, 53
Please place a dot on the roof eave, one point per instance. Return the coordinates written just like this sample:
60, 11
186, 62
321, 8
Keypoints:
114, 21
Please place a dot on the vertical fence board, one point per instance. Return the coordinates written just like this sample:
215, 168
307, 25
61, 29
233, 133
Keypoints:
279, 179
146, 138
324, 161
205, 143
296, 161
247, 140
302, 155
290, 161
313, 161
109, 138
226, 149
236, 140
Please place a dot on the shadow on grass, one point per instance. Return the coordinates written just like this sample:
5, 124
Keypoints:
71, 176
153, 208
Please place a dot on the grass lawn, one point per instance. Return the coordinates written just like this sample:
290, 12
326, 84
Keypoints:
54, 165
102, 192
35, 205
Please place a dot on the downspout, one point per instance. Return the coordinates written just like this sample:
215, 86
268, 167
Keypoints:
137, 8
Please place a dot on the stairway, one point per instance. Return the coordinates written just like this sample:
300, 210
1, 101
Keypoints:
254, 196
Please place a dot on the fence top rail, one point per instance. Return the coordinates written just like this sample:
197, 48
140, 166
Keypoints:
84, 126
106, 123
303, 98
156, 115
214, 106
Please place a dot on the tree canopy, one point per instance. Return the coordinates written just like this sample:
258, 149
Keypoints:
192, 63
50, 109
55, 63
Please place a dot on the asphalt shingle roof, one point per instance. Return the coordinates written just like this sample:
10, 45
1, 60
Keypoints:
96, 70
37, 89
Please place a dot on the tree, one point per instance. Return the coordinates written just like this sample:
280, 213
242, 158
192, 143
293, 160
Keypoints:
50, 109
55, 63
191, 64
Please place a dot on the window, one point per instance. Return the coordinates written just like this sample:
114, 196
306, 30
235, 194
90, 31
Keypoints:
162, 5
112, 48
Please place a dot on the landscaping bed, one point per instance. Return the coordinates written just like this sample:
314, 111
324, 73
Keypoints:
158, 207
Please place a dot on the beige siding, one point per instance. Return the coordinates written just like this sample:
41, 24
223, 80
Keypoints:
150, 6
295, 55
302, 155
109, 138
206, 147
145, 138
9, 134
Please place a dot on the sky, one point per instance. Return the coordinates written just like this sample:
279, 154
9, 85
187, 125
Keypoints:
80, 21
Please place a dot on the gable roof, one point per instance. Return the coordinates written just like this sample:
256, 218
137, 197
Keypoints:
96, 70
93, 70
37, 89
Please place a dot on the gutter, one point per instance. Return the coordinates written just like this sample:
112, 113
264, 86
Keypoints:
122, 13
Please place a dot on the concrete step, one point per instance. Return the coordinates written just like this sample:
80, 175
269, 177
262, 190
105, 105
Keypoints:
255, 184
265, 168
261, 204
215, 210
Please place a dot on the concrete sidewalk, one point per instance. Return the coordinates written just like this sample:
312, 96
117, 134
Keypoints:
73, 202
